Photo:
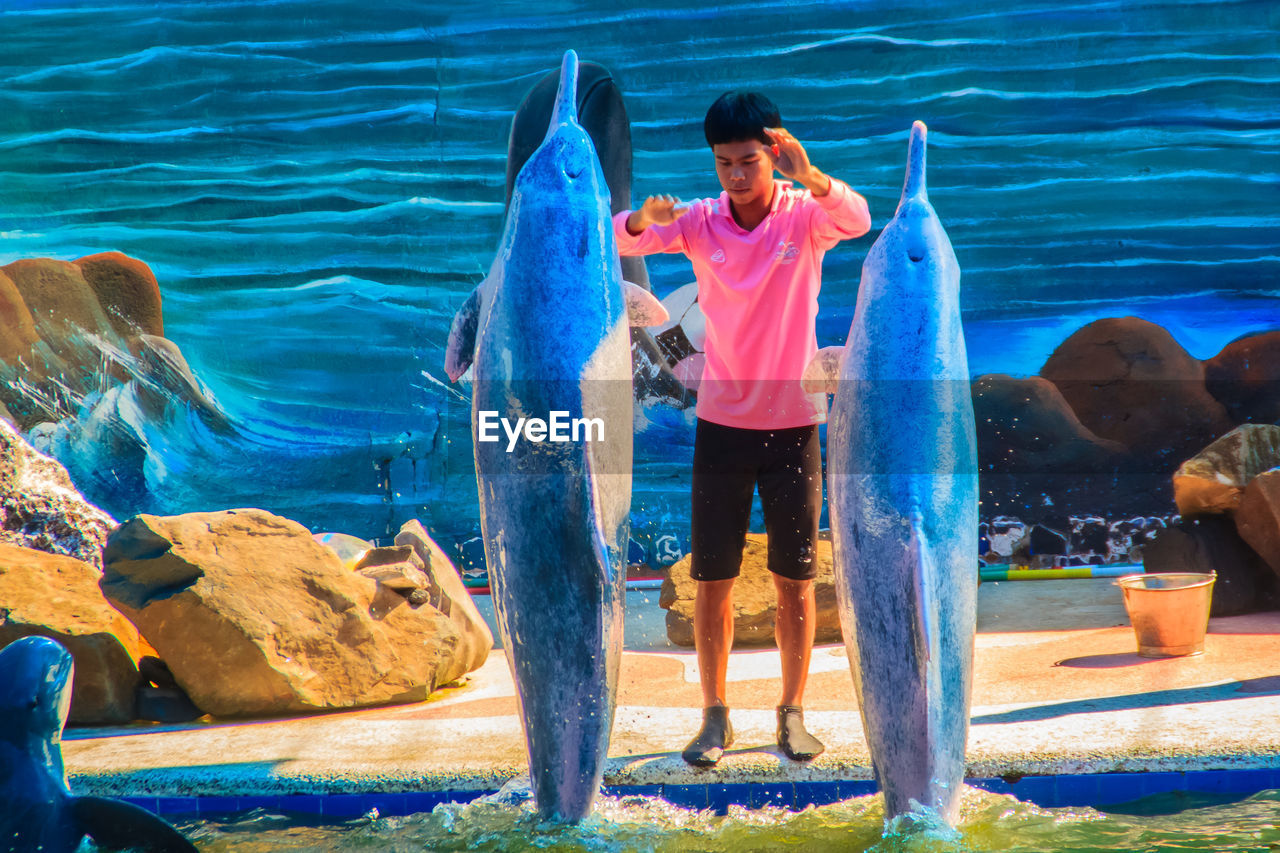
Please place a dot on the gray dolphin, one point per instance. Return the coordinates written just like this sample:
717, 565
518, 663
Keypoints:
902, 487
602, 113
37, 810
551, 335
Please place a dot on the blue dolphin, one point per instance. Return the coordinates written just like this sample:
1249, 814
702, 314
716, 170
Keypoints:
37, 810
902, 487
552, 346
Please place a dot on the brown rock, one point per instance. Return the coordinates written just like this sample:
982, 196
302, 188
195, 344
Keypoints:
754, 600
397, 568
1245, 378
1212, 481
17, 327
450, 596
58, 597
57, 294
40, 507
254, 617
1258, 517
1129, 381
127, 290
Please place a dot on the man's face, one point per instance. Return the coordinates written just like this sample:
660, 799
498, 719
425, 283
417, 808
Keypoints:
745, 170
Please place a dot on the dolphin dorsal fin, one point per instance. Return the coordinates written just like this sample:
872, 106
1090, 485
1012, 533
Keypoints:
566, 106
914, 185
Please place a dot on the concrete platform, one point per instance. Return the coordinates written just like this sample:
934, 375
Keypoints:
1058, 689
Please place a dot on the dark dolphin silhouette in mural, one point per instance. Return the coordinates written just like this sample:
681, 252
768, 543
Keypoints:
903, 497
37, 810
604, 116
551, 336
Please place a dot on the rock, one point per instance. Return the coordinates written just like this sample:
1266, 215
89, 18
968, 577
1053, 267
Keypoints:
448, 594
1211, 481
126, 290
1026, 426
58, 297
754, 599
1128, 380
1045, 541
58, 597
1258, 517
1245, 378
40, 507
254, 617
1210, 543
404, 575
17, 326
1036, 458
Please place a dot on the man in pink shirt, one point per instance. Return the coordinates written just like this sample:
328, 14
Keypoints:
757, 254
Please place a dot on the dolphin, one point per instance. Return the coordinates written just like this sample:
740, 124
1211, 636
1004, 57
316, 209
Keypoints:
902, 488
37, 810
603, 114
551, 335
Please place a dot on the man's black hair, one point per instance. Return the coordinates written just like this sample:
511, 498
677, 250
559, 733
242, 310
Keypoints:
740, 116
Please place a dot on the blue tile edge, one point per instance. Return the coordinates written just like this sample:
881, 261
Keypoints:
1094, 789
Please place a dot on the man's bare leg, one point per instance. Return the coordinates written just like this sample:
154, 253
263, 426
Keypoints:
713, 638
794, 629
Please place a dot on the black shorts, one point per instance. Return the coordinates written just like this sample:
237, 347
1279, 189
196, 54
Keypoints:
728, 463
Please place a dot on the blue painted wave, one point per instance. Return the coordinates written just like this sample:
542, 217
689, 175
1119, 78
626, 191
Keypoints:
318, 185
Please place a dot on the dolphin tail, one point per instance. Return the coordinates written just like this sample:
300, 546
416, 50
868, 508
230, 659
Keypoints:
566, 106
461, 349
922, 614
115, 824
643, 308
823, 371
914, 185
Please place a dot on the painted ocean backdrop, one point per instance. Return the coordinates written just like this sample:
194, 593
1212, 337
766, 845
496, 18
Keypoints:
318, 186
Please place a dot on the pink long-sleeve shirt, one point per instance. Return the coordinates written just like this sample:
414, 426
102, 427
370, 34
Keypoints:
758, 291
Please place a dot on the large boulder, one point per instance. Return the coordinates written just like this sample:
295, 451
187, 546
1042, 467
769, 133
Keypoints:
40, 507
254, 617
1245, 378
58, 597
1212, 481
1212, 544
450, 596
1129, 381
127, 291
755, 602
1258, 516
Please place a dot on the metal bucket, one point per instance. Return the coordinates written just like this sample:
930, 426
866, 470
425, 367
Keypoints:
1169, 612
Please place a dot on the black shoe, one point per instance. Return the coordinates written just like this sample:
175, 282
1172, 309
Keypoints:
716, 736
796, 743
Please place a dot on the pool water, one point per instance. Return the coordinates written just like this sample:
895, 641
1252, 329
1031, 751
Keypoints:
989, 822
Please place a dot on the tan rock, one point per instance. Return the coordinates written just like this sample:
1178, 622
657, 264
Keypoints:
58, 597
754, 600
450, 595
127, 290
40, 507
1213, 480
1258, 517
254, 617
397, 568
17, 327
57, 294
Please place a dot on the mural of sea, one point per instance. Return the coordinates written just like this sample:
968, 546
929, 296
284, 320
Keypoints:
318, 185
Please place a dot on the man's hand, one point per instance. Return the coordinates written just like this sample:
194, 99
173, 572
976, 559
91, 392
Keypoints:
656, 210
790, 158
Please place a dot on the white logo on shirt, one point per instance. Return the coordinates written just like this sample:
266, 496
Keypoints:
718, 257
787, 252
